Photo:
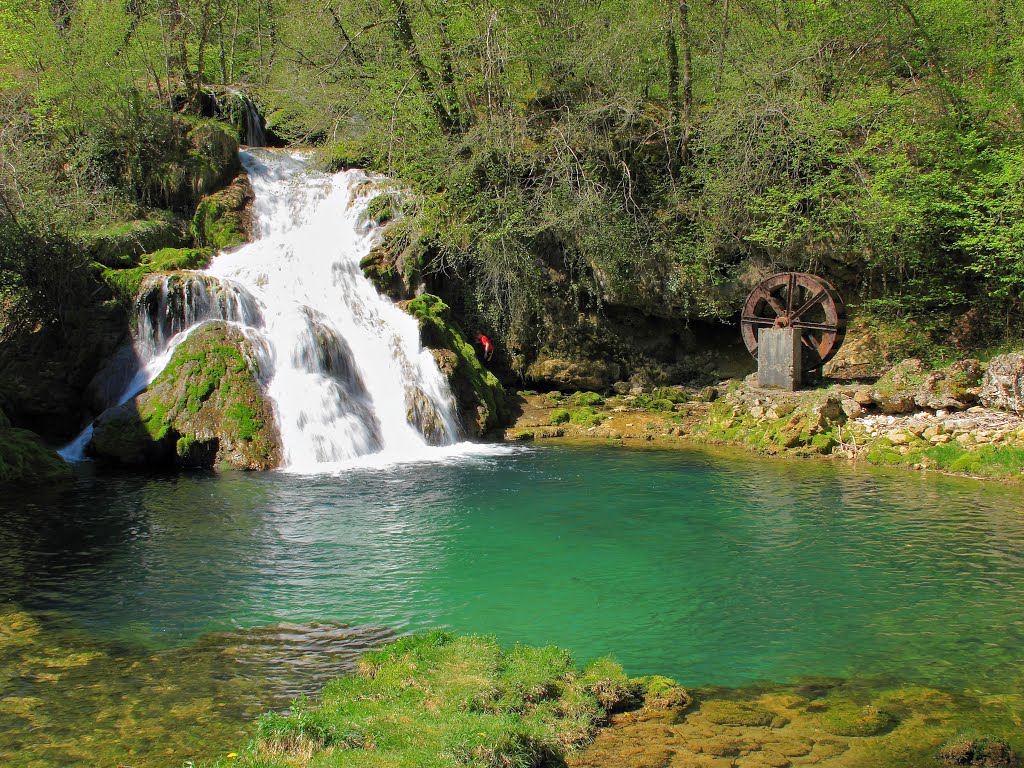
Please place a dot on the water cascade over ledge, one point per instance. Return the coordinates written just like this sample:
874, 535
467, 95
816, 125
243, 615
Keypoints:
343, 367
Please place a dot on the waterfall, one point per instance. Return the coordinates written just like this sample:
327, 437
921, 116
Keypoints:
343, 367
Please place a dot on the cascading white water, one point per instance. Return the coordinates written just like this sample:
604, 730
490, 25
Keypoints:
344, 369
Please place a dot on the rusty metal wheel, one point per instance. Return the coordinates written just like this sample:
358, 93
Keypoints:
802, 301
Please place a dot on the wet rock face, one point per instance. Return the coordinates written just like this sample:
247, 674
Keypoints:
479, 396
1003, 385
206, 409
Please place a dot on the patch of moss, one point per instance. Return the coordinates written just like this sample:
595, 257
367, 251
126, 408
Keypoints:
560, 416
122, 245
664, 693
846, 718
25, 460
586, 417
218, 221
671, 394
736, 713
474, 386
385, 207
585, 399
125, 283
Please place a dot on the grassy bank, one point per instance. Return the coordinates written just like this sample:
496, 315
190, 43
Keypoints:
440, 700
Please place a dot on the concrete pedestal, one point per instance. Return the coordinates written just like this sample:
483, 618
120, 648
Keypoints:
778, 358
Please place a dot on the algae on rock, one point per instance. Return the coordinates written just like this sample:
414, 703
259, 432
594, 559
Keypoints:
478, 393
205, 409
221, 220
25, 460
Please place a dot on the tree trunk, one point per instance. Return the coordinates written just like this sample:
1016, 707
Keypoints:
687, 127
403, 33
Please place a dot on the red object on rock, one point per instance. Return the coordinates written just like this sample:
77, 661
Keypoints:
488, 347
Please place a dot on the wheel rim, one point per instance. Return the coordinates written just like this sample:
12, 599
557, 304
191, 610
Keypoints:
797, 300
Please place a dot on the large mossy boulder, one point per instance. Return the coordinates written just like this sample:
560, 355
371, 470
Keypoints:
205, 409
222, 219
479, 395
25, 460
896, 390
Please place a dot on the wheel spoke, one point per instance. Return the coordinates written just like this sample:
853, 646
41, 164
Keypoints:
806, 326
776, 307
809, 304
754, 320
791, 293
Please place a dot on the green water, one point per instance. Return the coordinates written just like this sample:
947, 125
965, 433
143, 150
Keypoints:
714, 569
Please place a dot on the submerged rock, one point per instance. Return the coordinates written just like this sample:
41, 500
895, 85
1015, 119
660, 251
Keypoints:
205, 409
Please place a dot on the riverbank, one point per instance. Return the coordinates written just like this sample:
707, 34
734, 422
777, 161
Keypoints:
878, 422
441, 700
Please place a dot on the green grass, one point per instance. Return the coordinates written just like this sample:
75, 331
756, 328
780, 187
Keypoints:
436, 700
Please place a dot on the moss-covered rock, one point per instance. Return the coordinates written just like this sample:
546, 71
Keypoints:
126, 283
844, 718
122, 245
205, 409
478, 393
895, 391
222, 220
25, 460
736, 713
983, 751
953, 388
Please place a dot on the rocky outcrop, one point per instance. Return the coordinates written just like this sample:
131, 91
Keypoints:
953, 389
222, 220
478, 393
570, 375
1003, 384
206, 409
907, 387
